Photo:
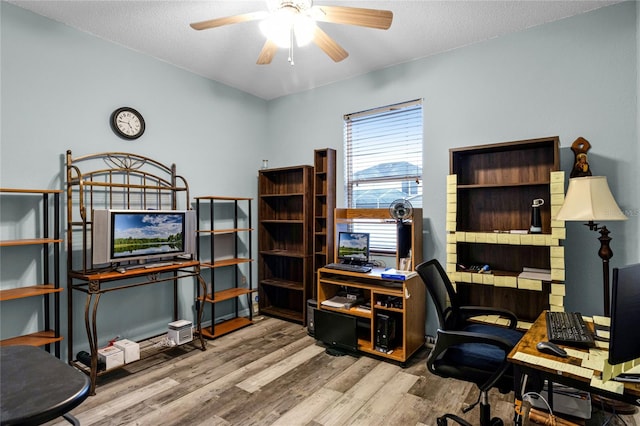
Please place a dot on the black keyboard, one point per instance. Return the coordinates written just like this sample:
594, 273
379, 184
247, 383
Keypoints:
568, 328
348, 267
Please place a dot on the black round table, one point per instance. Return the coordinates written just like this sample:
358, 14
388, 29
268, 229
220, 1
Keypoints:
36, 387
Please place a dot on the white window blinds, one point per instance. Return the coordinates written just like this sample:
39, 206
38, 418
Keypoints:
383, 159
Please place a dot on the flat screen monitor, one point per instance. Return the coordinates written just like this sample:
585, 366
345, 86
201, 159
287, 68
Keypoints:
338, 331
353, 247
141, 235
624, 344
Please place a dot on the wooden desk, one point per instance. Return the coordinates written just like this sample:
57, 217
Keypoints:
527, 345
98, 283
36, 387
410, 316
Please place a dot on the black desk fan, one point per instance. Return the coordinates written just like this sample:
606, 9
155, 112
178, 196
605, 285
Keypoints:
402, 210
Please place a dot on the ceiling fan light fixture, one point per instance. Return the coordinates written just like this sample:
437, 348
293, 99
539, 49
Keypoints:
304, 28
300, 5
279, 25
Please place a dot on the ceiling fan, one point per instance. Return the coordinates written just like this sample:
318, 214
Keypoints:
296, 19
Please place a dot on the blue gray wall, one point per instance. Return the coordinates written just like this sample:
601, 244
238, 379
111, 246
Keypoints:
576, 77
59, 87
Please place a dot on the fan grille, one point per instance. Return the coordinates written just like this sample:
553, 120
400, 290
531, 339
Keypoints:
401, 209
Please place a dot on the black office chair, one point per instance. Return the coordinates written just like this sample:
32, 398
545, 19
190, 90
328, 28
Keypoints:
468, 351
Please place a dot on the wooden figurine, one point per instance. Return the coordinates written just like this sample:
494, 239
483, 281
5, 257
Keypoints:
581, 166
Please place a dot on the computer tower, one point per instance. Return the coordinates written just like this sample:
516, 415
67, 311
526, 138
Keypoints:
312, 304
385, 333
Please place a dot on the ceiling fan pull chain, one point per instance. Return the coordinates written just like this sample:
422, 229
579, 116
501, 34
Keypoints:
291, 46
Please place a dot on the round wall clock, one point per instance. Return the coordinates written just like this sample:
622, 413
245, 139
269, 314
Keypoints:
127, 123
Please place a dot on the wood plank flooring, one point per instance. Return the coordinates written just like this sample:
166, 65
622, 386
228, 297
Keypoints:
273, 373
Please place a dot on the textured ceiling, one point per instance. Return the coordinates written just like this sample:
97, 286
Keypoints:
228, 54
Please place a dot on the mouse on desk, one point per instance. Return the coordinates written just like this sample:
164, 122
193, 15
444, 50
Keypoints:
551, 348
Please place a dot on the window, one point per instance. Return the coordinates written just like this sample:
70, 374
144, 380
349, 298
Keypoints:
383, 162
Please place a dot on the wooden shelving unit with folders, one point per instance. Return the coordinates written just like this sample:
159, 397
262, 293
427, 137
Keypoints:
43, 247
489, 199
224, 249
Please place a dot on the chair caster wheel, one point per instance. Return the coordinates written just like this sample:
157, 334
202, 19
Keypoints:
497, 422
441, 421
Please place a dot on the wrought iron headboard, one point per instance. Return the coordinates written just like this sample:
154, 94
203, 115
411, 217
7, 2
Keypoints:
115, 180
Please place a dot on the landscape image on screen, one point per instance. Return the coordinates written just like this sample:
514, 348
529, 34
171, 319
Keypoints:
147, 234
353, 245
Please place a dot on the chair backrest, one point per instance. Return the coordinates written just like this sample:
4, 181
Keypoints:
442, 293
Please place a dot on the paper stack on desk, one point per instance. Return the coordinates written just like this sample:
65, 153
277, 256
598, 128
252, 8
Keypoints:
535, 274
344, 302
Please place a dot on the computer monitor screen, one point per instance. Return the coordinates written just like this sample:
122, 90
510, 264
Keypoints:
337, 331
141, 235
624, 344
353, 247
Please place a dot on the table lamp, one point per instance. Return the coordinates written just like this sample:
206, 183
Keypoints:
589, 199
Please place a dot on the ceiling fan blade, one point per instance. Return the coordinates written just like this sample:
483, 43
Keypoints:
372, 18
329, 45
267, 53
236, 19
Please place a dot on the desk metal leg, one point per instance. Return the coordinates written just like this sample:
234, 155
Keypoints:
200, 309
520, 387
92, 336
71, 419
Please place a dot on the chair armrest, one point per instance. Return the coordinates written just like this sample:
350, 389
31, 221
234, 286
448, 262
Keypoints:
471, 311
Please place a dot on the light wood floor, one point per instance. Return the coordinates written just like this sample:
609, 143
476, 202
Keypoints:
273, 373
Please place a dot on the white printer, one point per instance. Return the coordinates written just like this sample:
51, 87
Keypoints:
181, 331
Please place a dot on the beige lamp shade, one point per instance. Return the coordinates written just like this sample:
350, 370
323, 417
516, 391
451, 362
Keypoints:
589, 199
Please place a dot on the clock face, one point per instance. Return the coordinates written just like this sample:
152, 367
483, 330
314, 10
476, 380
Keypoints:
127, 123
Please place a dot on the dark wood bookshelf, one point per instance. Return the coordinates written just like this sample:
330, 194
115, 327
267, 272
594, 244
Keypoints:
285, 231
489, 194
324, 204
